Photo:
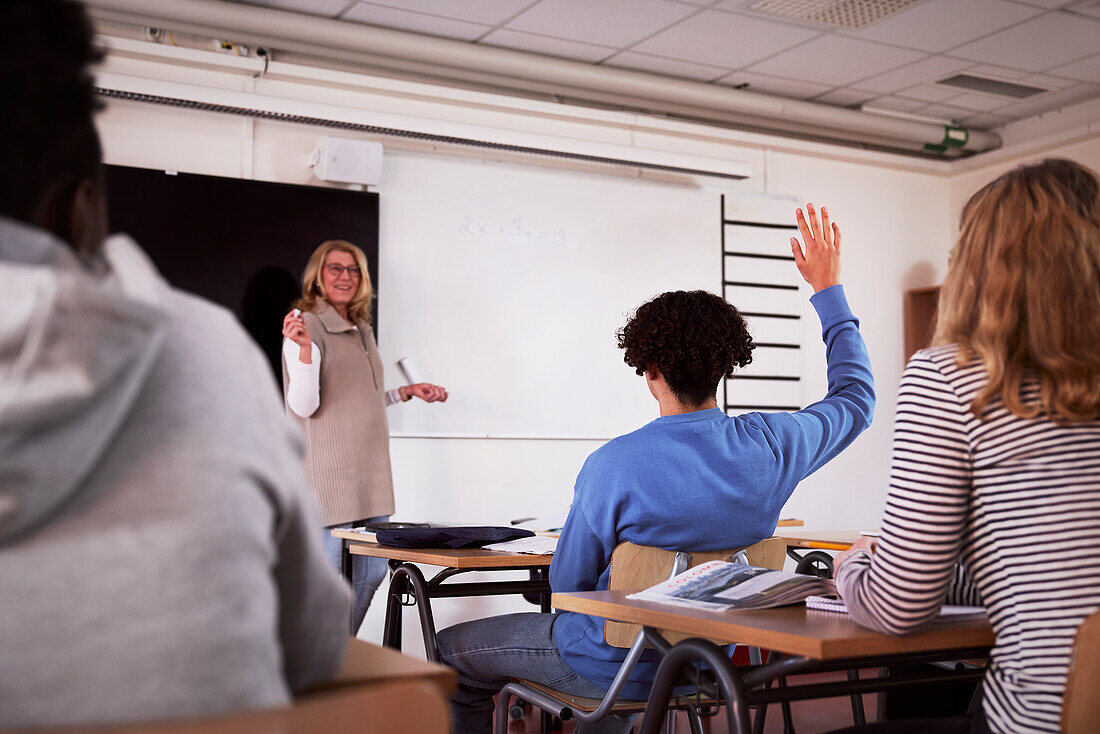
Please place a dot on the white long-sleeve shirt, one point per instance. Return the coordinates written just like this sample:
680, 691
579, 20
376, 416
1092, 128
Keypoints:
303, 390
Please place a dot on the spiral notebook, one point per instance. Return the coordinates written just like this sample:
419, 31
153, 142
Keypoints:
947, 611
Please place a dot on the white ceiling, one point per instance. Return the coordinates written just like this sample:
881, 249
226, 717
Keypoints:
892, 64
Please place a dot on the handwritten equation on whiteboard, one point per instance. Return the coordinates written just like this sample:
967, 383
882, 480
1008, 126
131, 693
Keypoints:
515, 231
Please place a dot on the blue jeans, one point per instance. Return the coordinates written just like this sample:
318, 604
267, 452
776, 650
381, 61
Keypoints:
487, 652
366, 573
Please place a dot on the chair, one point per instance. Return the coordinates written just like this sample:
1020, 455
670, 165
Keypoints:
633, 568
1081, 706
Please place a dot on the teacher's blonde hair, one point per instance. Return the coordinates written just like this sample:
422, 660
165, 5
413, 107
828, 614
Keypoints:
1023, 290
313, 289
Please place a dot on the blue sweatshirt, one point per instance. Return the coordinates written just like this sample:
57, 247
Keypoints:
701, 481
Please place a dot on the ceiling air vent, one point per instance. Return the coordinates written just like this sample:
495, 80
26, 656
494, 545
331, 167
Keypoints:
991, 86
835, 13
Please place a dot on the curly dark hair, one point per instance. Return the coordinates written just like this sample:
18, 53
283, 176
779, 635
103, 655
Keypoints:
47, 138
693, 338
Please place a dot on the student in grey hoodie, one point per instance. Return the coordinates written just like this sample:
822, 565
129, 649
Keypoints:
158, 544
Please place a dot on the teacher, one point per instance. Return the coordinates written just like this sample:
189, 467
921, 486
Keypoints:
333, 384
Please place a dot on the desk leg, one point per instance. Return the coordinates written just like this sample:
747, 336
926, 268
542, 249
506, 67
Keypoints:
398, 587
762, 709
729, 685
345, 561
410, 576
858, 716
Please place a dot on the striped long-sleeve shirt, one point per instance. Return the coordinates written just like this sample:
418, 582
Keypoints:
1017, 502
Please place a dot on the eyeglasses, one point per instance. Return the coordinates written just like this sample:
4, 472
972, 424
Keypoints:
336, 270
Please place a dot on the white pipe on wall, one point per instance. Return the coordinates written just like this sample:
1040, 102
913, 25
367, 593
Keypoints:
445, 58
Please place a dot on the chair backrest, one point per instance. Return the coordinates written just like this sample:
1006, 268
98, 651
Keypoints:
411, 707
637, 567
1081, 705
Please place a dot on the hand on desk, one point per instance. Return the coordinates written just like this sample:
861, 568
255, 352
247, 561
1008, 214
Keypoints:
426, 391
864, 543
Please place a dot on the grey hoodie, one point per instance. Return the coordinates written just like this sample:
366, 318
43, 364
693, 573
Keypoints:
159, 551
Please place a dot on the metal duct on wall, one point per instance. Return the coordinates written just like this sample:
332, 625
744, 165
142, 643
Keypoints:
442, 58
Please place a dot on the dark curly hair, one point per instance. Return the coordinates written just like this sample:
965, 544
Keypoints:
47, 138
693, 338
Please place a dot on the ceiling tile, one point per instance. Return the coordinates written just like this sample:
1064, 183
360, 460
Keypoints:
1049, 4
607, 22
944, 112
668, 67
926, 70
773, 85
1039, 44
548, 46
1085, 69
846, 97
942, 24
1054, 100
836, 60
431, 25
985, 121
997, 72
723, 39
980, 102
929, 93
1048, 82
491, 12
328, 8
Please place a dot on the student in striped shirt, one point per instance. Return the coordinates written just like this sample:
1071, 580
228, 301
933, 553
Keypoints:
995, 487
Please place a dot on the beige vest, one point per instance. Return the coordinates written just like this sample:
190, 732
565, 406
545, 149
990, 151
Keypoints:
347, 438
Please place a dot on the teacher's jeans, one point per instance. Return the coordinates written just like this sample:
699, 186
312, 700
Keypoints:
487, 652
366, 573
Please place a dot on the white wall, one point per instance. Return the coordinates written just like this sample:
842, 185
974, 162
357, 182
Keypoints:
895, 215
965, 184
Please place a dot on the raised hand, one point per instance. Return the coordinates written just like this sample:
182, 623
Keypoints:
427, 392
819, 261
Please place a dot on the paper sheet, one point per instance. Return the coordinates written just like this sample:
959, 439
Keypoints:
539, 545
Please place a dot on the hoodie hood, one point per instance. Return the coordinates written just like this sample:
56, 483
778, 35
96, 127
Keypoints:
77, 342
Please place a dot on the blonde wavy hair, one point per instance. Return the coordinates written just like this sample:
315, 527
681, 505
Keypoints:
1023, 290
313, 290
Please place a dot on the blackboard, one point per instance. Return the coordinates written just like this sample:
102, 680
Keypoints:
238, 242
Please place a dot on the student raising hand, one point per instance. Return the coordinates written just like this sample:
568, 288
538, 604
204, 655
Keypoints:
819, 260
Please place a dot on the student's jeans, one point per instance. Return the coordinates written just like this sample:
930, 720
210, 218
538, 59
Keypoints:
487, 652
366, 573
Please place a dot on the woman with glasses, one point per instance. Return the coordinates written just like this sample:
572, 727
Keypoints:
332, 377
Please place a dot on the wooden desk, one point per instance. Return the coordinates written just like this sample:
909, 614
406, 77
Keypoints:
367, 663
462, 558
838, 540
375, 690
801, 641
408, 582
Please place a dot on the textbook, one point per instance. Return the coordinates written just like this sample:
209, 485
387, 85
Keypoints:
721, 585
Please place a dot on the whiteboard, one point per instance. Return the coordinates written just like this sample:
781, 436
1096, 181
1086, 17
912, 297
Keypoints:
506, 284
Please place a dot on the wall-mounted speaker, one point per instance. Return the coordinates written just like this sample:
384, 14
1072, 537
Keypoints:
341, 160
